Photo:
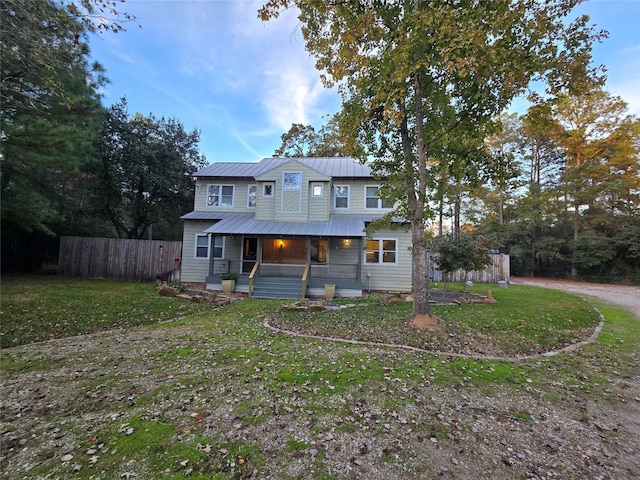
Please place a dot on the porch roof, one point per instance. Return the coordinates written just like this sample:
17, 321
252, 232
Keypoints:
246, 224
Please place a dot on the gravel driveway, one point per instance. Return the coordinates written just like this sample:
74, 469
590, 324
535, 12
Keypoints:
623, 296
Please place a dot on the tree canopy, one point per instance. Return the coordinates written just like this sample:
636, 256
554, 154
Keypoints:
304, 141
423, 81
144, 171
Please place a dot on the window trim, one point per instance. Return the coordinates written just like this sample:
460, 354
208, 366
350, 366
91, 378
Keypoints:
381, 251
208, 246
348, 197
379, 207
298, 187
255, 198
221, 186
273, 188
314, 185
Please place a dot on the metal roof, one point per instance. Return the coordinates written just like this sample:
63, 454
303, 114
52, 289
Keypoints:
199, 215
245, 223
336, 167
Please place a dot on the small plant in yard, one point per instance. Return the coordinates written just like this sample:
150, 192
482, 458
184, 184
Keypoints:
229, 276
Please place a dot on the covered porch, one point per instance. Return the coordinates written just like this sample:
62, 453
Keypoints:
270, 263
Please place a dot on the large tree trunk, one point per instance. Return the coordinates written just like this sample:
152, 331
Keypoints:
420, 275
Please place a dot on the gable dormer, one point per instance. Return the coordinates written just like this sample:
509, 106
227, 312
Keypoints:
293, 192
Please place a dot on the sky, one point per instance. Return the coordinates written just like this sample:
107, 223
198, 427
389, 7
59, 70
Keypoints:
215, 67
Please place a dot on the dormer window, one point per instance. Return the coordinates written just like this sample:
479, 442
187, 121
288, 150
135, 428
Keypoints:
292, 181
267, 189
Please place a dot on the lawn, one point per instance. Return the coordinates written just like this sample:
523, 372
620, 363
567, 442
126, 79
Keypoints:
171, 389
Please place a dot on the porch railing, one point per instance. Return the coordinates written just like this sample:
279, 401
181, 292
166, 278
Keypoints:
220, 266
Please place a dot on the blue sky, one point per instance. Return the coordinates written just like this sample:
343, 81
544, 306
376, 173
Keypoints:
242, 82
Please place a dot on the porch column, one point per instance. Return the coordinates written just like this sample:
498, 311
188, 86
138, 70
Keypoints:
359, 265
212, 242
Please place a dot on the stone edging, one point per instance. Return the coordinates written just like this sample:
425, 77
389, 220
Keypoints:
592, 338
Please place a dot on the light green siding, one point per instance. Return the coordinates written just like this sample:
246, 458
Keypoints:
240, 195
389, 277
193, 269
292, 206
266, 205
356, 197
319, 205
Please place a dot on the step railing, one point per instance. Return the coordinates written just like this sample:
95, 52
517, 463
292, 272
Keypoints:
252, 275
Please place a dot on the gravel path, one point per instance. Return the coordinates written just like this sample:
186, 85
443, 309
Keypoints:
623, 296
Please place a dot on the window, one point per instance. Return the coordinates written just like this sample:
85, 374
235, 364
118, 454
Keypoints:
202, 246
251, 196
373, 201
316, 189
220, 196
341, 196
292, 181
381, 251
284, 250
267, 189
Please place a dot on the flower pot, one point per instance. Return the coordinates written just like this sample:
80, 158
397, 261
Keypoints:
228, 286
329, 291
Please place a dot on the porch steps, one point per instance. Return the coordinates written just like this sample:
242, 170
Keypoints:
275, 287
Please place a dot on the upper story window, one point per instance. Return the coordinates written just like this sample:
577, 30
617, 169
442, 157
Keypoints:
267, 189
251, 196
341, 196
383, 251
219, 195
316, 189
372, 200
292, 181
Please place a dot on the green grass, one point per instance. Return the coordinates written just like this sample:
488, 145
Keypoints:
209, 393
525, 320
34, 309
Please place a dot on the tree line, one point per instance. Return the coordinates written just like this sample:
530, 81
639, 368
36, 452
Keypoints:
69, 165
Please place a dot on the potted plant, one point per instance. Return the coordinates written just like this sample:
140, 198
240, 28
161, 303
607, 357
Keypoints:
228, 282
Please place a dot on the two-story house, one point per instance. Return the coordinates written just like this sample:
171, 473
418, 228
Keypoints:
288, 226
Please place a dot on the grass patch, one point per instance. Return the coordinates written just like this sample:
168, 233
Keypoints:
36, 308
525, 320
217, 396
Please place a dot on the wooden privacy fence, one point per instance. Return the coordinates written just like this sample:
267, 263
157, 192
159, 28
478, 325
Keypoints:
499, 270
117, 258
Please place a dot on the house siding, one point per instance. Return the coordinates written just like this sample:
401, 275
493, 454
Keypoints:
356, 197
240, 195
290, 206
396, 277
265, 209
319, 206
193, 269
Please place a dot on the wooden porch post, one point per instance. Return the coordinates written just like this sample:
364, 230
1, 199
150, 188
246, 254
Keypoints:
359, 266
212, 242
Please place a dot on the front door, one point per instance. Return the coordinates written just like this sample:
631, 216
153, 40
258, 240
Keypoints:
249, 254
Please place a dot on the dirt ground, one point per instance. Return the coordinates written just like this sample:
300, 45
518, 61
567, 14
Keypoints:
623, 296
626, 297
451, 430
